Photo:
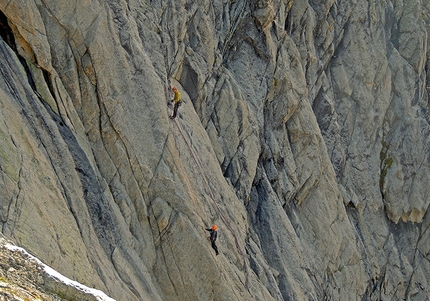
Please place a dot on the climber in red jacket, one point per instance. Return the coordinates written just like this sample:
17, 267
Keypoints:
213, 237
177, 101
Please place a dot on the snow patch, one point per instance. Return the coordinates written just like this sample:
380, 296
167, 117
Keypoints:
99, 295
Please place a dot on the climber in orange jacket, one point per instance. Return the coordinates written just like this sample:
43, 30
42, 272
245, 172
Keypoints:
177, 101
213, 237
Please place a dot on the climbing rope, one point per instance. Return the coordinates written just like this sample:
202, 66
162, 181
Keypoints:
223, 218
190, 190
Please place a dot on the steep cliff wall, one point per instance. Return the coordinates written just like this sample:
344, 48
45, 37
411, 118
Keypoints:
304, 136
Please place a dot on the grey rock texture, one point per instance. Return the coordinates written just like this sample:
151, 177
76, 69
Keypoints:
24, 277
304, 136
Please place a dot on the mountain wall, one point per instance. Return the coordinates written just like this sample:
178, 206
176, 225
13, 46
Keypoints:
304, 135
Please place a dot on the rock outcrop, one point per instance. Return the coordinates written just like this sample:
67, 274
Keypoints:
304, 135
24, 277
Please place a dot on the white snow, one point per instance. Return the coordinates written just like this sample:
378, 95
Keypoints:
100, 296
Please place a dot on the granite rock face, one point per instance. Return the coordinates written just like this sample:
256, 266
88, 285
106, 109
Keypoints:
304, 135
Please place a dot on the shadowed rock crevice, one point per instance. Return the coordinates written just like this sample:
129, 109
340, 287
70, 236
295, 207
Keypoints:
6, 32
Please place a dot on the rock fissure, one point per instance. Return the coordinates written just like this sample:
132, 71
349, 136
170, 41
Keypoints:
289, 99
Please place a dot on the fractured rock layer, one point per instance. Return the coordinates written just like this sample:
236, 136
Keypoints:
304, 135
